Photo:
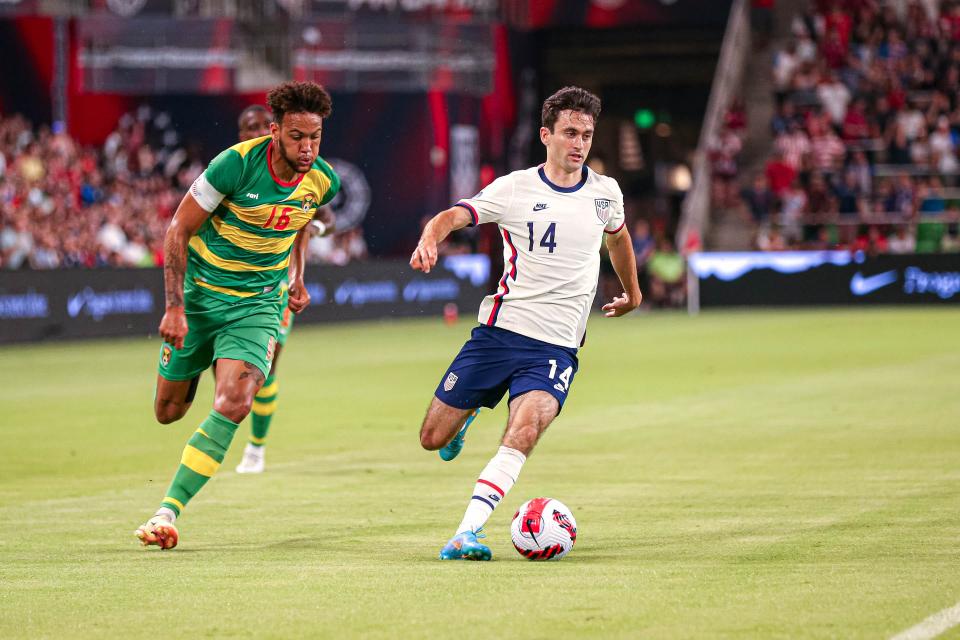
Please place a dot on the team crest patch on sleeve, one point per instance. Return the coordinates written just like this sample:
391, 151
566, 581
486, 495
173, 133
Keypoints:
450, 382
165, 355
603, 209
271, 347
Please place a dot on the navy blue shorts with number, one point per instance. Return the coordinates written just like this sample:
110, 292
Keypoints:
495, 360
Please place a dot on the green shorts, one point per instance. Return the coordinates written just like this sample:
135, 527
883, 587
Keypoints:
286, 316
246, 330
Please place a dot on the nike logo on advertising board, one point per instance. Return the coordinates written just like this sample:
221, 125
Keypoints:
861, 286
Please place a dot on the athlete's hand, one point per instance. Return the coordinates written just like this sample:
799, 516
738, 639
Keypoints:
424, 256
299, 297
621, 305
173, 327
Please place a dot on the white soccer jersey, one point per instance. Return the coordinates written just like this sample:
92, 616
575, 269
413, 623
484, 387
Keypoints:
551, 250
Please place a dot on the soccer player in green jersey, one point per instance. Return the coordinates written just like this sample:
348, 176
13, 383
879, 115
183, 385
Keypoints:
254, 121
229, 245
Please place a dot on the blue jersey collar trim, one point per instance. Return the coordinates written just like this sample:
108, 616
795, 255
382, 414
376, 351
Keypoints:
576, 187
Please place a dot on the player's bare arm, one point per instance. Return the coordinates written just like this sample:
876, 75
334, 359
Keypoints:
436, 231
299, 298
324, 222
625, 264
186, 222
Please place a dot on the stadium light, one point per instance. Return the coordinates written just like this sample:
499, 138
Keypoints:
644, 118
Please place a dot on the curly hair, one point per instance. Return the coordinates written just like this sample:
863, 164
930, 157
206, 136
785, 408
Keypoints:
299, 97
573, 98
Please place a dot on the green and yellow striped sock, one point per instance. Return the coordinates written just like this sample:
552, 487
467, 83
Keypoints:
264, 404
201, 458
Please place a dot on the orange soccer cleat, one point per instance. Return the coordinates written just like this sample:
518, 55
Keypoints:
158, 531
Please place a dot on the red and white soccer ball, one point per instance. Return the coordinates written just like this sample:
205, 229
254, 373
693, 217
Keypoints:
543, 529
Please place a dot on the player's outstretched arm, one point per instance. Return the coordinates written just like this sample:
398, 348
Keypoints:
324, 221
299, 298
625, 264
186, 222
436, 231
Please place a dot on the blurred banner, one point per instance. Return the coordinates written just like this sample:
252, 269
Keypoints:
801, 278
600, 14
49, 305
146, 55
387, 55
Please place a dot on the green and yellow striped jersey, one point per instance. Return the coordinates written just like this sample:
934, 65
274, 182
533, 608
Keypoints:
243, 248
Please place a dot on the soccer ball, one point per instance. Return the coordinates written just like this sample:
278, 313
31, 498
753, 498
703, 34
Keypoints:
543, 529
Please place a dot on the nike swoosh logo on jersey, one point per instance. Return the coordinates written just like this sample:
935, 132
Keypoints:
861, 286
540, 206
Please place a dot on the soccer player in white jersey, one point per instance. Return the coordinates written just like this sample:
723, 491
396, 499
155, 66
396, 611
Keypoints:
552, 219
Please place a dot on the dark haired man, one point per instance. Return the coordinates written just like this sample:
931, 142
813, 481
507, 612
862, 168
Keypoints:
552, 219
254, 122
229, 245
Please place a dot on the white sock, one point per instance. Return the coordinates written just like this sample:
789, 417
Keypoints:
495, 481
167, 513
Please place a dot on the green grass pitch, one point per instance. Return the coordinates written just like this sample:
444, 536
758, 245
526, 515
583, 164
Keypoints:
744, 474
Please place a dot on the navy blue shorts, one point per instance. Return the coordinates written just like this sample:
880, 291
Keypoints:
494, 360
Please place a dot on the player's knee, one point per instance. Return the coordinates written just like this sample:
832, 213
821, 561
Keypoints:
233, 407
235, 412
167, 412
430, 439
522, 438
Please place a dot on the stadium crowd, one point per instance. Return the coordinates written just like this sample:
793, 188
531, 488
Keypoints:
866, 131
66, 206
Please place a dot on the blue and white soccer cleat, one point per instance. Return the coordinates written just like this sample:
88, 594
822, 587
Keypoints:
453, 448
464, 546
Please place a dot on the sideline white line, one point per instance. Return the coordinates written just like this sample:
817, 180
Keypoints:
932, 626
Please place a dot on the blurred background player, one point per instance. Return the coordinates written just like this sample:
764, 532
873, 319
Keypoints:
254, 122
553, 219
243, 221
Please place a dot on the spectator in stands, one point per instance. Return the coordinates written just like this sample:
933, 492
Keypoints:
759, 200
780, 174
920, 149
860, 168
793, 211
943, 154
849, 194
643, 244
929, 197
871, 241
723, 152
834, 97
950, 241
826, 149
16, 242
902, 240
794, 147
668, 283
855, 127
785, 64
769, 238
898, 144
786, 114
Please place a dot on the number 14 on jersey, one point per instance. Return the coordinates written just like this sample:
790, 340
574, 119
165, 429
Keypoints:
549, 239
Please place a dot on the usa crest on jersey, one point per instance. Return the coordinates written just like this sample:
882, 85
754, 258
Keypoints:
603, 209
450, 381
